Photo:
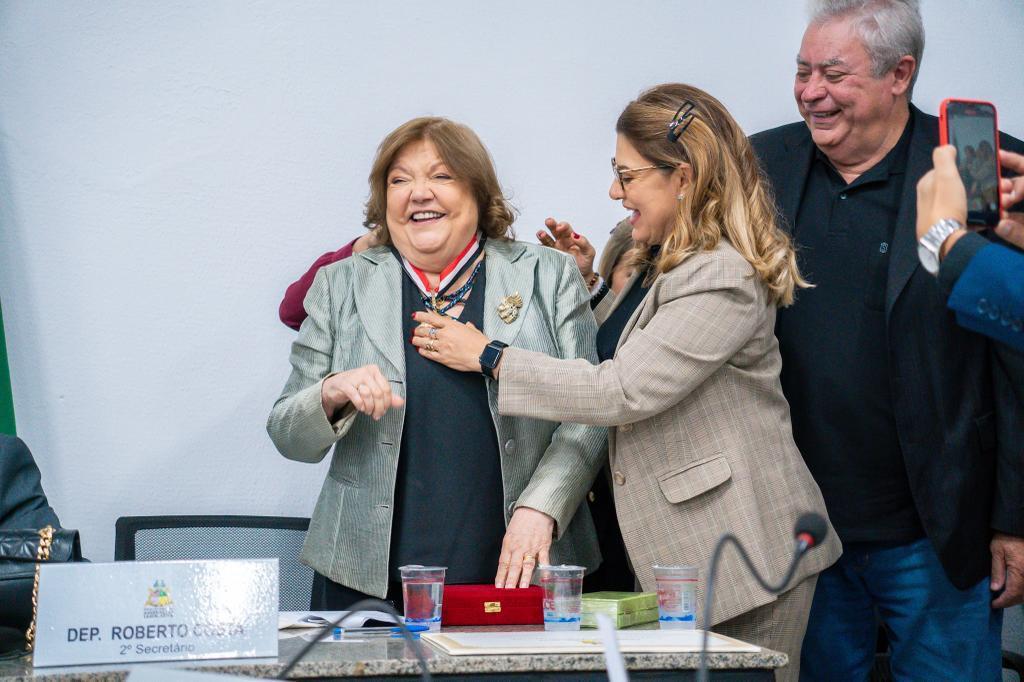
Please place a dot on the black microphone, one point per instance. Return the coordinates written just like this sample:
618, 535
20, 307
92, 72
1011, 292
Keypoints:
810, 529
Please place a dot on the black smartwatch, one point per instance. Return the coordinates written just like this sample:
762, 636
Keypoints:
490, 358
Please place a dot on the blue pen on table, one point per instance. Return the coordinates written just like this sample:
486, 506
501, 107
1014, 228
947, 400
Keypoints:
341, 634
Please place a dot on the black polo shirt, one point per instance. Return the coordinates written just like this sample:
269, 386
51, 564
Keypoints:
835, 369
449, 502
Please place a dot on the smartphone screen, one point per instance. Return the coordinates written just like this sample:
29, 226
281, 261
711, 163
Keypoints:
971, 128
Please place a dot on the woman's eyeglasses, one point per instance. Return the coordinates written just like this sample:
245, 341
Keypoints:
625, 175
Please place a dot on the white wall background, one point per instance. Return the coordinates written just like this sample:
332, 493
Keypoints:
168, 167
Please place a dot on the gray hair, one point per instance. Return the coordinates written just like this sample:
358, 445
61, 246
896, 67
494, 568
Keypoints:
889, 30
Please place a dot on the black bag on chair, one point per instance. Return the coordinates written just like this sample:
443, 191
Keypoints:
20, 551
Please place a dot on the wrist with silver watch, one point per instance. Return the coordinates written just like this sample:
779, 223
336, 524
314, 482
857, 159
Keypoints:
929, 247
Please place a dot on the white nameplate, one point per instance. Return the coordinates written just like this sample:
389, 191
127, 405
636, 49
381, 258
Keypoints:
131, 611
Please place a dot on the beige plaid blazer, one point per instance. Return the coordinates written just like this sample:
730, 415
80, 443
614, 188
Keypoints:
701, 442
355, 313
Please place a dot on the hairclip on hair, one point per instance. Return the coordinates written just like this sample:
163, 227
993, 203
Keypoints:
681, 121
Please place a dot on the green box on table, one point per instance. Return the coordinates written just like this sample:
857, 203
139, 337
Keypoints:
624, 608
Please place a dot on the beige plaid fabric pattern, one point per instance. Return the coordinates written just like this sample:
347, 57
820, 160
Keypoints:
779, 625
354, 319
701, 442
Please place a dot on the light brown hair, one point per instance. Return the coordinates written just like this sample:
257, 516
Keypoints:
467, 160
728, 195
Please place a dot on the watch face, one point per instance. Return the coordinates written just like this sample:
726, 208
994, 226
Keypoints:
489, 357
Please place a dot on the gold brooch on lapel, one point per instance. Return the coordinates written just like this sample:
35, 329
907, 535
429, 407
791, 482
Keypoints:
508, 309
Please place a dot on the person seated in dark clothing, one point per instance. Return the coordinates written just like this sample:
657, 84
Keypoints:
22, 501
22, 505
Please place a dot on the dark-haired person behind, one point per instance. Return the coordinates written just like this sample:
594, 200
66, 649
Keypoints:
424, 470
614, 573
616, 267
611, 275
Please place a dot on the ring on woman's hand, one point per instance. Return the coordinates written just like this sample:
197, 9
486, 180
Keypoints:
432, 332
430, 347
529, 559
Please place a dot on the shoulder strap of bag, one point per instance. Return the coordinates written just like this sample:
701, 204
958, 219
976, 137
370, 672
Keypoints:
42, 554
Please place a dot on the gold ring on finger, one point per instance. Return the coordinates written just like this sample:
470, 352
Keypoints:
430, 347
529, 559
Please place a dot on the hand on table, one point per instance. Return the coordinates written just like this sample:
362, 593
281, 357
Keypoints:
526, 544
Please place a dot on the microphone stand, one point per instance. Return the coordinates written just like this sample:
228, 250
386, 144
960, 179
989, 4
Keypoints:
801, 549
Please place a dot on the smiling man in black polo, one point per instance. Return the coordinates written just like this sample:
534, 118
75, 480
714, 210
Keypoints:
909, 423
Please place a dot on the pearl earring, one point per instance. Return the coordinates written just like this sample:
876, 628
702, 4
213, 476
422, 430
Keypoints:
681, 196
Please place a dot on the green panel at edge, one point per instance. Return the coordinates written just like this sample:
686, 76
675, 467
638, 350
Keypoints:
6, 397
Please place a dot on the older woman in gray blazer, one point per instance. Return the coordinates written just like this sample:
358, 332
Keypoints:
701, 442
424, 468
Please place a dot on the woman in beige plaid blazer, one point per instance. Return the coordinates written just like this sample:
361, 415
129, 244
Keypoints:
700, 442
357, 386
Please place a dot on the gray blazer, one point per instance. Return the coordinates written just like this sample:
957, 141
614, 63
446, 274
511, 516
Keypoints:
702, 442
354, 319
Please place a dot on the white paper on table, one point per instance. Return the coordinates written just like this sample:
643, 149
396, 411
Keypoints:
581, 642
317, 619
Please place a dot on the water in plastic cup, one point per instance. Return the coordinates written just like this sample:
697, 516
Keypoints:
677, 597
423, 593
563, 596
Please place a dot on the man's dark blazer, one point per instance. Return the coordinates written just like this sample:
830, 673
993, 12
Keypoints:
22, 502
958, 398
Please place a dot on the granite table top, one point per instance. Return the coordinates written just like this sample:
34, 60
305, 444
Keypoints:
393, 657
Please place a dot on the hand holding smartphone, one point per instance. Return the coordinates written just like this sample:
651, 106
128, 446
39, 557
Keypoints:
971, 127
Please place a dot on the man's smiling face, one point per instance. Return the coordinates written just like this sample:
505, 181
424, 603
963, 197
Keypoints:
847, 109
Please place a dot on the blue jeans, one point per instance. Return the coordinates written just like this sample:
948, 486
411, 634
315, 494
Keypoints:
936, 632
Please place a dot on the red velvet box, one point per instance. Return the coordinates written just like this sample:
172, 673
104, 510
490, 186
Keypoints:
489, 605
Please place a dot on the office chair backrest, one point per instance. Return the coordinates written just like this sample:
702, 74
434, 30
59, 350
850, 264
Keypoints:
159, 538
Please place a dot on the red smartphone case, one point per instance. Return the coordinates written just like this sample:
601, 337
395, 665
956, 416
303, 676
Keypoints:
944, 135
489, 605
944, 123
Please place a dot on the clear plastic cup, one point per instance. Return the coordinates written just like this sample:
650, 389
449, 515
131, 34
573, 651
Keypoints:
563, 596
677, 597
423, 594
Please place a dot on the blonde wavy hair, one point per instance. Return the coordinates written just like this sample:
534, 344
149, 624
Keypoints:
728, 195
466, 158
